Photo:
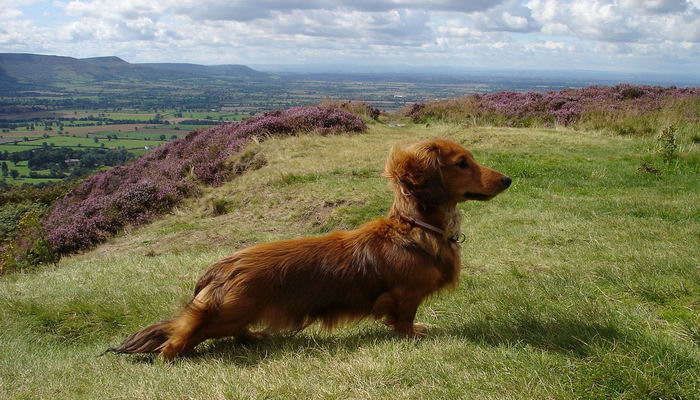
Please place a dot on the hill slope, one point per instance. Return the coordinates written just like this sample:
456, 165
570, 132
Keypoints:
33, 70
579, 282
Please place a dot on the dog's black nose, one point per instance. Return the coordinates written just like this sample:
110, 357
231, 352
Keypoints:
506, 181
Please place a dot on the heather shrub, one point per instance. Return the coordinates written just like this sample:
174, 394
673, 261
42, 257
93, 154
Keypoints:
365, 110
22, 236
623, 109
134, 194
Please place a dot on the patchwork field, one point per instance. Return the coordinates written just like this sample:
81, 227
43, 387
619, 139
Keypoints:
136, 131
581, 281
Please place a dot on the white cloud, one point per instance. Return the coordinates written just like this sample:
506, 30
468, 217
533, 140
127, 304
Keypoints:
513, 33
619, 21
9, 9
656, 6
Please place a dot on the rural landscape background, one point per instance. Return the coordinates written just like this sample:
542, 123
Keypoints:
141, 141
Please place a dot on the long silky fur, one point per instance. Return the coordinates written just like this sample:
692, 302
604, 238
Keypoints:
147, 340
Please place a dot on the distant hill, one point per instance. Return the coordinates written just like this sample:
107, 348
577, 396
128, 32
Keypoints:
6, 80
33, 71
109, 61
229, 70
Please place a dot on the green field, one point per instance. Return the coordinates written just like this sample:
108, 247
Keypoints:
69, 141
138, 142
581, 281
24, 171
138, 138
21, 146
153, 134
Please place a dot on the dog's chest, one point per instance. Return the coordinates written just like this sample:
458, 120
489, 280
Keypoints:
448, 263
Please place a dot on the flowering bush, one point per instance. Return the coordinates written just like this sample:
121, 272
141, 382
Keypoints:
565, 107
365, 110
133, 194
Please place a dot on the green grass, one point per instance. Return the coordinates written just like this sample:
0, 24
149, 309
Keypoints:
579, 282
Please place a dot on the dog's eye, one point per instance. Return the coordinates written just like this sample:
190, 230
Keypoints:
463, 164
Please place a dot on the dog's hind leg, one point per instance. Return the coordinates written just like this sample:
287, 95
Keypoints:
203, 320
184, 332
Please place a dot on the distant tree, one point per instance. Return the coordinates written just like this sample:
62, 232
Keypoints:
162, 137
26, 139
96, 140
4, 168
14, 173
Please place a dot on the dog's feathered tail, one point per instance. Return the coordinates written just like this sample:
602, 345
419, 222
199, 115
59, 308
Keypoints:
148, 340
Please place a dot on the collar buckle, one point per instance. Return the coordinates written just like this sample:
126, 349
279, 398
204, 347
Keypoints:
459, 239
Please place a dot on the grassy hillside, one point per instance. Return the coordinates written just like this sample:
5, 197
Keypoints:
580, 281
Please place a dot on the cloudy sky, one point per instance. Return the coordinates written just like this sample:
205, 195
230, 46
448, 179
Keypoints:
614, 35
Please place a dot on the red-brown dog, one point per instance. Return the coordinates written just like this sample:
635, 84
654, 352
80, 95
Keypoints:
383, 269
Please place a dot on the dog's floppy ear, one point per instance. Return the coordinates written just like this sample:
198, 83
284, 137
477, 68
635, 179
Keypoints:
416, 171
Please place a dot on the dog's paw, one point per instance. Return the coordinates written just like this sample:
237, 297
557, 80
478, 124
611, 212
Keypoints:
419, 331
253, 336
412, 331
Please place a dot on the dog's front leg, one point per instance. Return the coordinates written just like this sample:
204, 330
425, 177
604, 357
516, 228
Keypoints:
399, 307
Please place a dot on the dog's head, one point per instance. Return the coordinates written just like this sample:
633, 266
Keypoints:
440, 172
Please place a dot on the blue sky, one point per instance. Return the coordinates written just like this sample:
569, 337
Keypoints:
613, 35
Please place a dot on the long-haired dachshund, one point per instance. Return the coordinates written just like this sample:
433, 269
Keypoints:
383, 269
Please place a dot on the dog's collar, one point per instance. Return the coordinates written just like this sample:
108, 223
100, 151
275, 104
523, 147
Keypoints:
459, 238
